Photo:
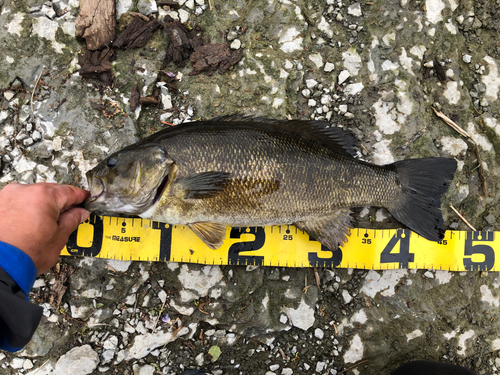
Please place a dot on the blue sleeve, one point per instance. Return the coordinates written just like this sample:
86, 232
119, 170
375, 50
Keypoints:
18, 317
19, 266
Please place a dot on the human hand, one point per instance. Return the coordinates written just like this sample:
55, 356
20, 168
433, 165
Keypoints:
38, 219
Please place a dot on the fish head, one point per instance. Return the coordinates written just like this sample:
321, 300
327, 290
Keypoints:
128, 181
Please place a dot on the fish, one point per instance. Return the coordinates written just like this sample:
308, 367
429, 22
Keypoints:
242, 171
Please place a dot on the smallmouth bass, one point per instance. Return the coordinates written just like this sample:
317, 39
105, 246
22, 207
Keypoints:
241, 171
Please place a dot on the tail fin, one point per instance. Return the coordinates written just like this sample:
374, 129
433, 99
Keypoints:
423, 181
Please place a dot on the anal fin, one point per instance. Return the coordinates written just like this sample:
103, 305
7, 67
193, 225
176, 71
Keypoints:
330, 231
212, 234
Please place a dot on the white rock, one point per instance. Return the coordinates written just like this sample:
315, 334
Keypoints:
317, 59
9, 95
162, 296
453, 146
123, 6
343, 108
17, 363
311, 102
283, 319
200, 360
27, 364
287, 371
343, 75
354, 88
144, 344
274, 367
355, 351
39, 283
47, 11
452, 93
144, 370
320, 366
303, 316
290, 40
183, 15
81, 360
235, 44
147, 7
311, 83
111, 343
325, 27
319, 333
347, 297
329, 67
354, 10
467, 58
119, 265
108, 355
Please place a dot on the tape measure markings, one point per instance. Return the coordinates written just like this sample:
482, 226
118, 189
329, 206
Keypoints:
142, 239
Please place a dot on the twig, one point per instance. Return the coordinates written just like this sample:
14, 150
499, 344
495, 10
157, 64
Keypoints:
476, 147
451, 123
39, 368
114, 143
356, 365
83, 159
463, 218
159, 314
316, 275
34, 88
210, 4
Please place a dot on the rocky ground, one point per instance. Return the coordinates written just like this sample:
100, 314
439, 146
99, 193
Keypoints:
375, 67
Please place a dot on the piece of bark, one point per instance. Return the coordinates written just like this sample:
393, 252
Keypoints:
97, 64
97, 105
141, 37
210, 57
440, 72
124, 37
96, 23
179, 47
137, 33
134, 98
148, 100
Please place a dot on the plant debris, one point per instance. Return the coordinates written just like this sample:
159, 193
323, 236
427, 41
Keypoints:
137, 33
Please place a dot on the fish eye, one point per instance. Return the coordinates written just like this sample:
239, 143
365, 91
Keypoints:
111, 162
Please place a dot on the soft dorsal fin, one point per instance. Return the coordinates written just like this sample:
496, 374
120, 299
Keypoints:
337, 139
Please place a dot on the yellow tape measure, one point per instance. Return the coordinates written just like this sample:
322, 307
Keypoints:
283, 246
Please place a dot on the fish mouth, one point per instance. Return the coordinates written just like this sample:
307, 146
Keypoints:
161, 188
97, 190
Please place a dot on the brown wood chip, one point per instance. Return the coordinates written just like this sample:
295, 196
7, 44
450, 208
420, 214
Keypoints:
96, 23
134, 98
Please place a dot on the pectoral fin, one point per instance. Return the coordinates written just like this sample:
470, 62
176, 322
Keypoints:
213, 234
330, 231
204, 184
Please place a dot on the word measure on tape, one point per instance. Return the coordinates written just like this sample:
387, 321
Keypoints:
283, 246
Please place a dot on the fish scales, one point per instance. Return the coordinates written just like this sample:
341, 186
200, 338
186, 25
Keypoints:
237, 171
273, 177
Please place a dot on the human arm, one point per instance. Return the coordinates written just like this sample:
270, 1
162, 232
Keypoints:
35, 223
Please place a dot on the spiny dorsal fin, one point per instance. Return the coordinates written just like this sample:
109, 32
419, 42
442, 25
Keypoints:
334, 138
212, 234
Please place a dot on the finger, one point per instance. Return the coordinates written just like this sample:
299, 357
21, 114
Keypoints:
68, 195
70, 219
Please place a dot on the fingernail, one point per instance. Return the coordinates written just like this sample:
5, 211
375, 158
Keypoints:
84, 216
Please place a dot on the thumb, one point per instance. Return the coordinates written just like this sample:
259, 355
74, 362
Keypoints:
70, 219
